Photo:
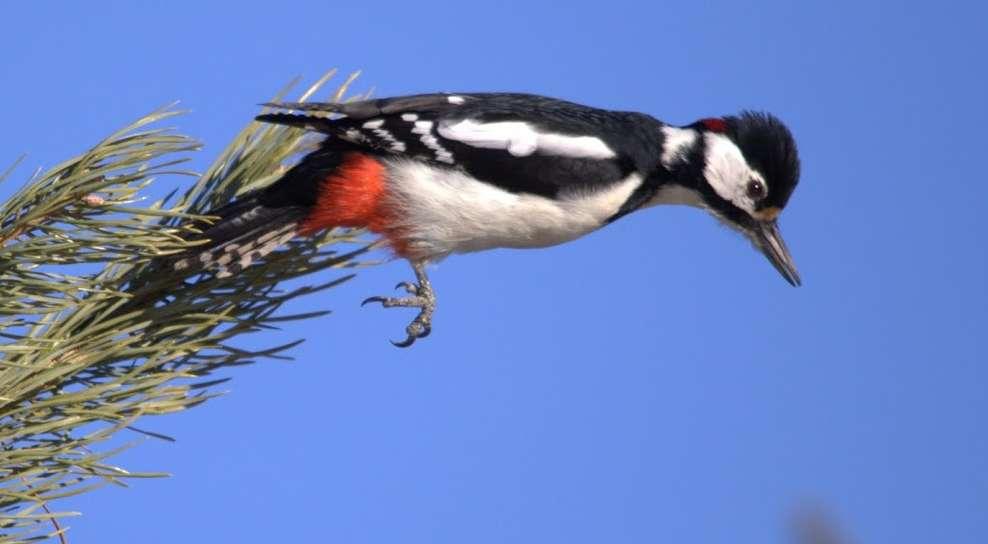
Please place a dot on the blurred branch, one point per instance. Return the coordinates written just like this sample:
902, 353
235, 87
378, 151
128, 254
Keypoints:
813, 525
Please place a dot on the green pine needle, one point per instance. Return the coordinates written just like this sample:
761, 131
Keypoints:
87, 350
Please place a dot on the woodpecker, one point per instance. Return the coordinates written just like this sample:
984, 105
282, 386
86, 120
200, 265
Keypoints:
445, 173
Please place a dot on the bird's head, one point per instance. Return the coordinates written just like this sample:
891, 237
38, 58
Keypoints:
749, 169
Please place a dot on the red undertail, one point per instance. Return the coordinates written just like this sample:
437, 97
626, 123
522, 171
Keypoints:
355, 195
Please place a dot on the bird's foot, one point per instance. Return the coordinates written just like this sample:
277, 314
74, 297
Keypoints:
421, 297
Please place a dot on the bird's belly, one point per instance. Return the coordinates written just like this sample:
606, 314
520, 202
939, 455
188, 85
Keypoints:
440, 211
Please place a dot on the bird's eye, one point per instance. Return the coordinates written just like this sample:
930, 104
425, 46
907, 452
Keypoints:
756, 189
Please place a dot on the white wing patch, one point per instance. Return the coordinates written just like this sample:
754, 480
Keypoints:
521, 139
388, 138
354, 135
424, 128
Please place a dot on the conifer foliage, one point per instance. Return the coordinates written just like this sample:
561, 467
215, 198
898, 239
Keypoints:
93, 337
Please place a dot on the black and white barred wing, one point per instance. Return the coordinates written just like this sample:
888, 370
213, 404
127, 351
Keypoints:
399, 126
521, 143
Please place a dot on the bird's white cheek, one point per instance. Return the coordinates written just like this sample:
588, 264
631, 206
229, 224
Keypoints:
726, 170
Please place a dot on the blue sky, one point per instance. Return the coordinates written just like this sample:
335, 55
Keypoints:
656, 381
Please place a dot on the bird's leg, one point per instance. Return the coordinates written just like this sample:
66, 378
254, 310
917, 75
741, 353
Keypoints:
420, 296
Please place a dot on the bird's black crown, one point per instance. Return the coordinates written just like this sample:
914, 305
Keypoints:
769, 147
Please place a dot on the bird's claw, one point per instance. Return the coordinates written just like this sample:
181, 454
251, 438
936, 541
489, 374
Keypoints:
368, 300
418, 328
409, 287
404, 343
415, 330
421, 297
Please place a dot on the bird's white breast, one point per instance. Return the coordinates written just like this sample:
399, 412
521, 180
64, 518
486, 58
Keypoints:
441, 211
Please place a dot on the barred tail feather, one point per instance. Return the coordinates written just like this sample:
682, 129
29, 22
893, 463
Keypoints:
247, 231
258, 223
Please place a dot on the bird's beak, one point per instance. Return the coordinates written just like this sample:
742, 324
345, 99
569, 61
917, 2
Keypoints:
769, 241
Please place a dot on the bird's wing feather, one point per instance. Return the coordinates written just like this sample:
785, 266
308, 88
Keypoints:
522, 143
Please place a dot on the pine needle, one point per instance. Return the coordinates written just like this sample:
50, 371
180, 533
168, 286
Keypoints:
85, 355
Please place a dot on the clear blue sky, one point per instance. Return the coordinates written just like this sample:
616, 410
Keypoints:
656, 381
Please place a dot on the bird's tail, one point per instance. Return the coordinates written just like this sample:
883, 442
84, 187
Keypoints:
256, 224
299, 120
246, 230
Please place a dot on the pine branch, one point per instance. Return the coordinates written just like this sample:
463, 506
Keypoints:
89, 350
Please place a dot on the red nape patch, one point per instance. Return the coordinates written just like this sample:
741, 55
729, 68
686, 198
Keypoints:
353, 196
715, 124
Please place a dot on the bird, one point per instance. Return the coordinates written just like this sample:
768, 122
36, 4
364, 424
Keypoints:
446, 173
